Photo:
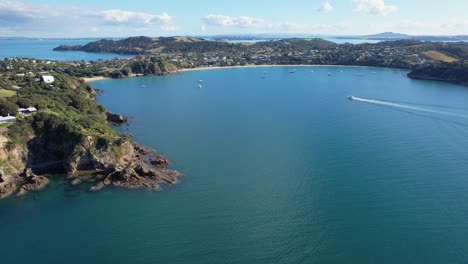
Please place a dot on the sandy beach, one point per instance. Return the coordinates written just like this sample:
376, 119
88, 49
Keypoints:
268, 66
98, 78
92, 79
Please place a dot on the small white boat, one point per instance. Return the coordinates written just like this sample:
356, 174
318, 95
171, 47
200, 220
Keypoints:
200, 86
143, 86
200, 81
330, 74
292, 71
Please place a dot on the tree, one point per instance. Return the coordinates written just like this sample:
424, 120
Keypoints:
8, 108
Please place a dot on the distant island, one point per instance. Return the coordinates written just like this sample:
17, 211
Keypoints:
399, 36
174, 53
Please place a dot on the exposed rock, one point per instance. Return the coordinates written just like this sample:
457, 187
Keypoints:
116, 162
32, 183
139, 167
116, 118
7, 185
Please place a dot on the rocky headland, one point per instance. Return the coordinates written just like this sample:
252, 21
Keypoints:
70, 135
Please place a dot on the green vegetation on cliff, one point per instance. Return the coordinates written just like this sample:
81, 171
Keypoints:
69, 133
455, 72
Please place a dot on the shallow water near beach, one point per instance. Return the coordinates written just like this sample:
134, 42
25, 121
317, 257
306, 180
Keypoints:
278, 168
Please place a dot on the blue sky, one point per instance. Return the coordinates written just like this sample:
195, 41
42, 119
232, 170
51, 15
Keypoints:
119, 18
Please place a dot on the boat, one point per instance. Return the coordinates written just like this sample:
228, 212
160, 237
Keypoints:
143, 86
330, 74
200, 86
292, 71
351, 97
200, 81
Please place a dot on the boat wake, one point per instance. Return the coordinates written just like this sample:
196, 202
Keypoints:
408, 106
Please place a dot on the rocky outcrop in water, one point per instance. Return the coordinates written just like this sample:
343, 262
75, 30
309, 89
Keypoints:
118, 163
116, 118
32, 182
135, 167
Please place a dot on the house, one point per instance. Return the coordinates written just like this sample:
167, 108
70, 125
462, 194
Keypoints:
27, 111
48, 79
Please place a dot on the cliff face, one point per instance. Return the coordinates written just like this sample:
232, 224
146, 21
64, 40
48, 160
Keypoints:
69, 135
120, 163
12, 161
454, 72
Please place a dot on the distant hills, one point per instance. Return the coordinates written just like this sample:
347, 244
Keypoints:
170, 45
399, 36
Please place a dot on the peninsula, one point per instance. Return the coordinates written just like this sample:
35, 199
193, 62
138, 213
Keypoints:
162, 55
51, 123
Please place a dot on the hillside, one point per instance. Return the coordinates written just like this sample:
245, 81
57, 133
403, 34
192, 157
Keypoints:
69, 134
147, 45
455, 72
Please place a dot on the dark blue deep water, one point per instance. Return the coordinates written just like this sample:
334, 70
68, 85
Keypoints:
281, 169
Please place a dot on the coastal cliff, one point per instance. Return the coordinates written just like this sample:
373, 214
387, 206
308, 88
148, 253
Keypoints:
454, 72
70, 136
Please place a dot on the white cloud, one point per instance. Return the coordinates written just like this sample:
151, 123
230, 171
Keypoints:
374, 7
259, 25
241, 21
135, 18
33, 17
325, 7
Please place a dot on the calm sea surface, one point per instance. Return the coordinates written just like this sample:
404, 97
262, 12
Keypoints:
281, 169
43, 49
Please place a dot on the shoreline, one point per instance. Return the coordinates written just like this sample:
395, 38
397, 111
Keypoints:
278, 65
92, 79
206, 68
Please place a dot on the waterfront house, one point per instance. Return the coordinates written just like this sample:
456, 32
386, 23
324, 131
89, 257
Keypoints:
27, 111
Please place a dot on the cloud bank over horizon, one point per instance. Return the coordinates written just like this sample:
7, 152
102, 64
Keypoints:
355, 17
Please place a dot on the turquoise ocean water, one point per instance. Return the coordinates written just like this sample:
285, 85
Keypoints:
280, 169
43, 49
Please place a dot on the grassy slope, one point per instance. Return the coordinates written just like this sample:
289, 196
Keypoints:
438, 56
6, 93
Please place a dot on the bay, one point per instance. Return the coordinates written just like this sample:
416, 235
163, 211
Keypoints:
278, 168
